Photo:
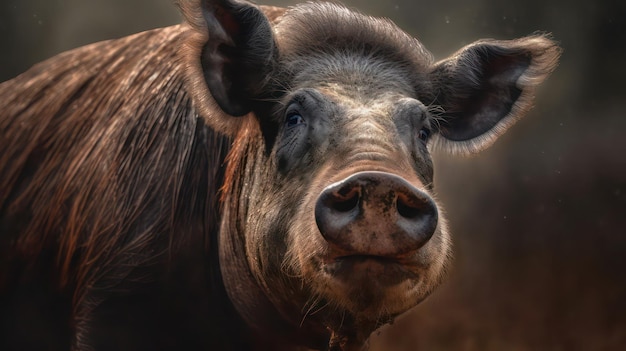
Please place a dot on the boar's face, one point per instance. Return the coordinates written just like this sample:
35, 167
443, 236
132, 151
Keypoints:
355, 173
329, 211
354, 197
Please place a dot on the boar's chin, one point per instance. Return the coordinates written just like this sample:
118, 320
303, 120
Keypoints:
371, 287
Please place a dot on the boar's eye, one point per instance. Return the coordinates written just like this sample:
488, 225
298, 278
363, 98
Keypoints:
294, 118
424, 134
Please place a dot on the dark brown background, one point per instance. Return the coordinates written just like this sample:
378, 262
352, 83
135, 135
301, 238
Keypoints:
539, 220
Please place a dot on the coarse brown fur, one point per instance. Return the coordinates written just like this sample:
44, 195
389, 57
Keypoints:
98, 186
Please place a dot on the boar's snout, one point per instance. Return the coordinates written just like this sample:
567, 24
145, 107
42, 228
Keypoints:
375, 214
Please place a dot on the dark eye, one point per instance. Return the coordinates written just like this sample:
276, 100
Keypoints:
294, 118
424, 134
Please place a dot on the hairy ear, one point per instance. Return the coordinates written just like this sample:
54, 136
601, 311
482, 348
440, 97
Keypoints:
487, 86
231, 53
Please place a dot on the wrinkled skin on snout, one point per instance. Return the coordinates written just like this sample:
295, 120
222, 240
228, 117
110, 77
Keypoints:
331, 217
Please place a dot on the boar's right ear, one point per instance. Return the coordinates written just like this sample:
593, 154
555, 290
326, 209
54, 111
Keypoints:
488, 85
234, 47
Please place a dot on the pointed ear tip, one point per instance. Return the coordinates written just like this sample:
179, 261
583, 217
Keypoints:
544, 43
544, 51
548, 56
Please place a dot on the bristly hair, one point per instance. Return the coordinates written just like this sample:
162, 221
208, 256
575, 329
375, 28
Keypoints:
103, 152
325, 28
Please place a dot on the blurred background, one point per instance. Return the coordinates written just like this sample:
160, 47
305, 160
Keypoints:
539, 219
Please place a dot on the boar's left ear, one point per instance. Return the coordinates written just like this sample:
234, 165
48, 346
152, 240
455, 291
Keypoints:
487, 86
236, 48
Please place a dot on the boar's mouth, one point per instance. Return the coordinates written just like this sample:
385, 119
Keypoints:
379, 270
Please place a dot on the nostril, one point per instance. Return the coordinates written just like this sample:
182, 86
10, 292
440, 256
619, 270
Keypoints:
407, 209
345, 199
